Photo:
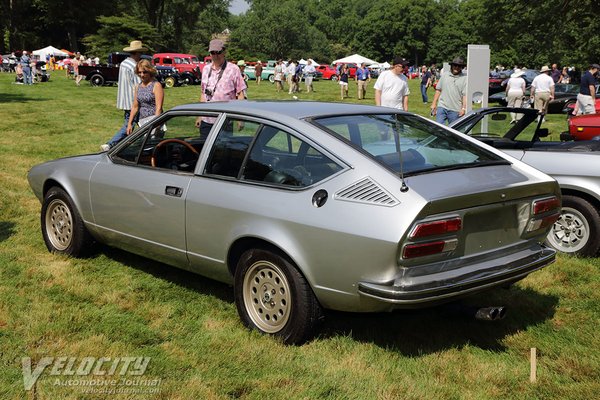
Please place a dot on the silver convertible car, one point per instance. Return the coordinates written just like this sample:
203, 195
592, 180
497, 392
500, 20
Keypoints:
575, 165
305, 206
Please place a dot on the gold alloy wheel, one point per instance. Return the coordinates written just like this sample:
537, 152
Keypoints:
59, 224
267, 296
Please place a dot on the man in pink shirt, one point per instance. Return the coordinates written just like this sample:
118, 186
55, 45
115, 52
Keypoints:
221, 81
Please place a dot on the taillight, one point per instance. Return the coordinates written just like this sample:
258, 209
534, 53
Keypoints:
545, 213
545, 205
437, 230
436, 227
429, 248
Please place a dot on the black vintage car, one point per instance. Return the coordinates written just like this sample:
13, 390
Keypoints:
168, 76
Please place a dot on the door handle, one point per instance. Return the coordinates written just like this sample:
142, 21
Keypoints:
173, 191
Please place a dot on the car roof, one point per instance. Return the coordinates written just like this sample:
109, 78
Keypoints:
288, 108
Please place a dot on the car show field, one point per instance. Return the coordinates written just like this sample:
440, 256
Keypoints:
116, 304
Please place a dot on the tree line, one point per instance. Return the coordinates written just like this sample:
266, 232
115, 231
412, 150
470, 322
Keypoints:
519, 32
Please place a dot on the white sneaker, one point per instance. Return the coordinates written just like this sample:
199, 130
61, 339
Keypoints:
104, 147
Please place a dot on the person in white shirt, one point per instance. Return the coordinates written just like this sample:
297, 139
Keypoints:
542, 90
515, 89
290, 72
391, 88
309, 73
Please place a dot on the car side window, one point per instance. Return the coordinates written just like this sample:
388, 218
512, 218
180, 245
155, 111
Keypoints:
230, 147
174, 144
281, 158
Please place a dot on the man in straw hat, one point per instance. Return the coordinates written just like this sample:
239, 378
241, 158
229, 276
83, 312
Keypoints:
451, 94
128, 80
542, 90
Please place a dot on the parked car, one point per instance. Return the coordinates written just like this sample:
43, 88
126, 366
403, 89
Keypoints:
187, 65
305, 206
168, 76
565, 96
267, 74
583, 127
351, 69
497, 83
328, 72
575, 165
108, 74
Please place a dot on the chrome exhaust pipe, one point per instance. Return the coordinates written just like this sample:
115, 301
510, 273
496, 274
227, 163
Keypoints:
494, 313
490, 313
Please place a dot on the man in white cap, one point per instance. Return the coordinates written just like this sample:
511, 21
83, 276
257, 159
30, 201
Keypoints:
221, 80
128, 80
542, 90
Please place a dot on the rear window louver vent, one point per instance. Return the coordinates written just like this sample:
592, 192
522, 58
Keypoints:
368, 192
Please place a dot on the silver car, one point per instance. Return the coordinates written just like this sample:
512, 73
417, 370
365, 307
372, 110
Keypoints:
575, 165
305, 206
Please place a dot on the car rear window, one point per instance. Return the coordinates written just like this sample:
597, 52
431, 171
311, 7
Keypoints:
407, 143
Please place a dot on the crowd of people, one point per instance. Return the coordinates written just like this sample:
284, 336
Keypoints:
141, 98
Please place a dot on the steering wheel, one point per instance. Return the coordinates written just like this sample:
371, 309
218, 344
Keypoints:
166, 141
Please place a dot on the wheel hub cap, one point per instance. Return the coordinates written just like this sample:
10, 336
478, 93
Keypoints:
59, 225
267, 296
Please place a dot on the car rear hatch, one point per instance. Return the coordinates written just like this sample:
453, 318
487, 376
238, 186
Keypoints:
481, 227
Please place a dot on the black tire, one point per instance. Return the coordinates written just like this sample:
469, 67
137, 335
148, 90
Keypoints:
334, 78
97, 80
272, 78
62, 227
274, 298
577, 232
170, 81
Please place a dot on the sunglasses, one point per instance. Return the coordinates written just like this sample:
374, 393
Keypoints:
214, 53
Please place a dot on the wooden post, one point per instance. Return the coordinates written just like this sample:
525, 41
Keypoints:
533, 365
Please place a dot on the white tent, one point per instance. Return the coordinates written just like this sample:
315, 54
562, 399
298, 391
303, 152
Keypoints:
356, 59
304, 62
53, 51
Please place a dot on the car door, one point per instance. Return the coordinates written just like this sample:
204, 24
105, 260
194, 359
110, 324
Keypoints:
138, 197
249, 183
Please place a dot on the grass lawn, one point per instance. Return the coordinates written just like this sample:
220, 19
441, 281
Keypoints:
118, 305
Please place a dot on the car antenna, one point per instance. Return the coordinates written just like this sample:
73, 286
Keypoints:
404, 187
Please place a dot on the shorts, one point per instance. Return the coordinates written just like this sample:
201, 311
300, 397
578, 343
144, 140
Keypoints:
343, 83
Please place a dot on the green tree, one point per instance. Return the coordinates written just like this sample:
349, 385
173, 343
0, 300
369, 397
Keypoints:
117, 31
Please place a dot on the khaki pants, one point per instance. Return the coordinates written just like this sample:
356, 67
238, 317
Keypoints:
514, 100
290, 82
541, 101
585, 104
362, 89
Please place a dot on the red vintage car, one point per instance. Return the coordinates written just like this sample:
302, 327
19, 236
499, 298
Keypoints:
328, 72
583, 127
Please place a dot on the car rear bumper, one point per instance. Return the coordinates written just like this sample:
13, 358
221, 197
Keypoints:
444, 286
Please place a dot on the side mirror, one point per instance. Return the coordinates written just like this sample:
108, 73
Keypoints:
499, 117
542, 132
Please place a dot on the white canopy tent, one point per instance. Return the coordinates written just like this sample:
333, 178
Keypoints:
356, 59
304, 62
382, 66
53, 51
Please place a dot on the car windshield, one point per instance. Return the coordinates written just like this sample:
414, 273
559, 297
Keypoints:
408, 143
